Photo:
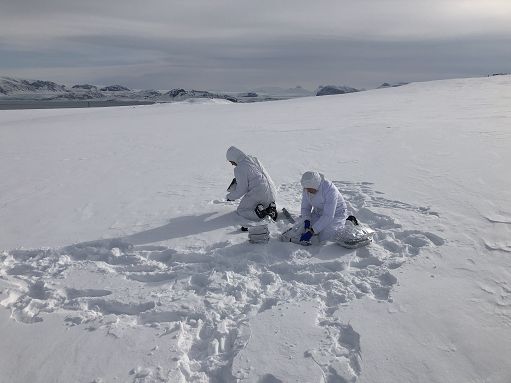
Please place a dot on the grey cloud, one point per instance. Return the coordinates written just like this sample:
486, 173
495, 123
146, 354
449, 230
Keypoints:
372, 19
232, 43
309, 62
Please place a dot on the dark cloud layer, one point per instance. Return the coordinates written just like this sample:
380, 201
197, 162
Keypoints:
237, 45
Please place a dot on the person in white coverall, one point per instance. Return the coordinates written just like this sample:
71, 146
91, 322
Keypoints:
323, 208
253, 185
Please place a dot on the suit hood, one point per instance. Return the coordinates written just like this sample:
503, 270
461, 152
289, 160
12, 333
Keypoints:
311, 180
235, 155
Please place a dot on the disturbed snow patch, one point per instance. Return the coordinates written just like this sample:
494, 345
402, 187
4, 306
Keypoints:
206, 299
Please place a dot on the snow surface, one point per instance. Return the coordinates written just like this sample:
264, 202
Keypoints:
122, 263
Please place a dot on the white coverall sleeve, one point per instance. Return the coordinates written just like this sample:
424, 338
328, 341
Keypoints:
306, 207
328, 211
241, 175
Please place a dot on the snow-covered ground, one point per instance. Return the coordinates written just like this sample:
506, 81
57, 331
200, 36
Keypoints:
122, 263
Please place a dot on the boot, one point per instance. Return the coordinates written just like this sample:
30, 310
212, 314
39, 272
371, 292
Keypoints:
352, 219
260, 211
271, 211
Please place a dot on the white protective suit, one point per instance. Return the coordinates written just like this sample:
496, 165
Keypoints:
252, 183
326, 209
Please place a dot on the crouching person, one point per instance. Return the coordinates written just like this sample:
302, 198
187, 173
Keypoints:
323, 208
253, 185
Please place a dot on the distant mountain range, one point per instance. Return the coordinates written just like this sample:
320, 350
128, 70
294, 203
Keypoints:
20, 89
38, 90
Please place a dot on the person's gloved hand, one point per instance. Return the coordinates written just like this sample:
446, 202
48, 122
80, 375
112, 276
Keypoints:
232, 185
306, 224
306, 237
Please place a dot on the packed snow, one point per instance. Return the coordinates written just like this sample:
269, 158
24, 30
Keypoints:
121, 260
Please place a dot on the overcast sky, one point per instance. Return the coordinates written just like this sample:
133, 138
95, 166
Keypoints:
238, 45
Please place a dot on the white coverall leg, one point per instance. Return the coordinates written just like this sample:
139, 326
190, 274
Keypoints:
329, 232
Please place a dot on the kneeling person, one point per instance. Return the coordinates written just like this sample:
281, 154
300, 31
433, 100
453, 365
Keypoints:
323, 208
253, 185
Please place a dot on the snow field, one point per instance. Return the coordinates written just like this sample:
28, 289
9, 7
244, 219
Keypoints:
204, 298
120, 262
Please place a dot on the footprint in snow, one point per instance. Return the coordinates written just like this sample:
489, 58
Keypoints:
207, 294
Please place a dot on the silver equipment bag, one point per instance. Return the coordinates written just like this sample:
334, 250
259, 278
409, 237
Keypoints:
293, 234
353, 236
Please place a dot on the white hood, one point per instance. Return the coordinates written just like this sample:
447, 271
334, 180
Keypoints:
312, 180
235, 155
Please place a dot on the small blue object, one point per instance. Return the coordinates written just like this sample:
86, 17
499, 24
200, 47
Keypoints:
306, 236
306, 224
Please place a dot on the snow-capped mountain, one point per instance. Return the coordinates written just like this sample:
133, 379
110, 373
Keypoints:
12, 86
325, 90
182, 94
115, 88
37, 90
84, 87
21, 89
391, 85
14, 89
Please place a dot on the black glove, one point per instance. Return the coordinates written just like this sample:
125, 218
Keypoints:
233, 183
306, 224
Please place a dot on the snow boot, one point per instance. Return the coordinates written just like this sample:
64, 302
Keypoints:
271, 211
353, 220
260, 211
